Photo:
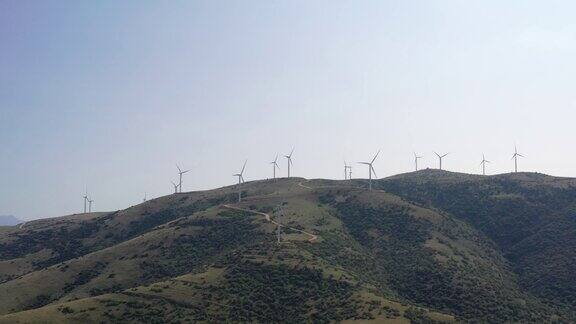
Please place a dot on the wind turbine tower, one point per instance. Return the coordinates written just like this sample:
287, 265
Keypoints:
85, 199
289, 158
440, 157
483, 163
515, 157
416, 157
180, 173
371, 169
240, 181
275, 166
90, 201
347, 171
175, 187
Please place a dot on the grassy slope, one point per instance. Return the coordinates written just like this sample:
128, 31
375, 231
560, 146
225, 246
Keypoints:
215, 296
374, 247
169, 250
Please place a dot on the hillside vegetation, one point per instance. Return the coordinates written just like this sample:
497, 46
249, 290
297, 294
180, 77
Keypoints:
347, 254
530, 217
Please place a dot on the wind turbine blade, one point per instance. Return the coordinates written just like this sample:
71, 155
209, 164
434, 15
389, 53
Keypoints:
375, 156
291, 152
364, 163
276, 159
445, 154
436, 154
179, 170
520, 155
243, 167
373, 171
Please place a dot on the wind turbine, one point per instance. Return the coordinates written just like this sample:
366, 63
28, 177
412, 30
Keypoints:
347, 171
515, 157
483, 163
144, 200
275, 166
180, 173
440, 158
416, 157
90, 201
175, 186
85, 199
240, 181
289, 157
371, 169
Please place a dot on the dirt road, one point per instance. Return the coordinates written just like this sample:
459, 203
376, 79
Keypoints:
312, 238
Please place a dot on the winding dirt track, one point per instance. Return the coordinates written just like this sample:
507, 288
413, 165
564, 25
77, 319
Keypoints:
312, 238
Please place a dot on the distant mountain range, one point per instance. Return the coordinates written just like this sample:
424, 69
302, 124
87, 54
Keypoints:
9, 220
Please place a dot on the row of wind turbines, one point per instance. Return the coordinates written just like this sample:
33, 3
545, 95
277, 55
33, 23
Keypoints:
347, 172
371, 170
515, 157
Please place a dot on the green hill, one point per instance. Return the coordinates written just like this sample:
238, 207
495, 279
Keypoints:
347, 254
531, 218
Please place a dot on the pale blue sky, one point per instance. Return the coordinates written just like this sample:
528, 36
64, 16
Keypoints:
113, 93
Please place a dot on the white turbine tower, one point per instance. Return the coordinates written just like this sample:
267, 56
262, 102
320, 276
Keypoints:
371, 169
275, 166
90, 201
515, 157
483, 164
416, 157
180, 173
175, 187
440, 157
240, 181
289, 160
85, 199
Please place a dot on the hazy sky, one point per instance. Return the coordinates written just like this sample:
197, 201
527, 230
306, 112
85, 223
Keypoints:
111, 94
